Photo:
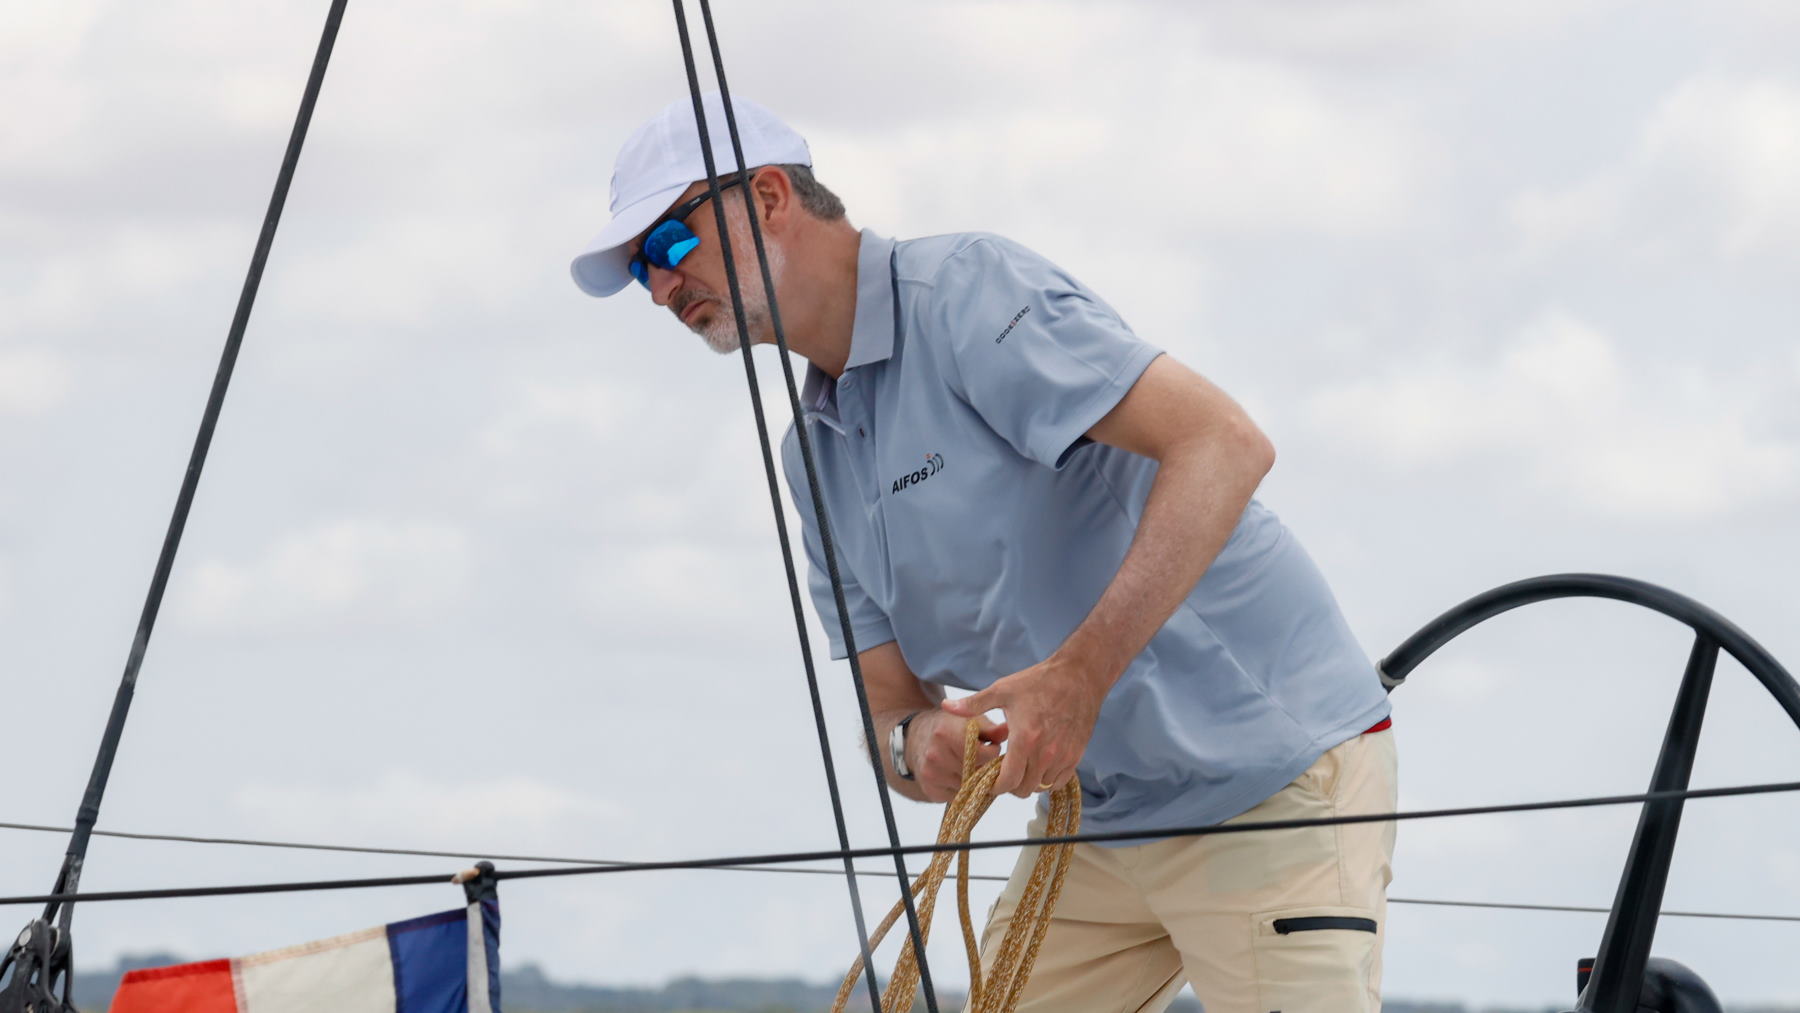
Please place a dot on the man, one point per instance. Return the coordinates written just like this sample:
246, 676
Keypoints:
1030, 502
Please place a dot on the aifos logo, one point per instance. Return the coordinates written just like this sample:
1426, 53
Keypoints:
934, 463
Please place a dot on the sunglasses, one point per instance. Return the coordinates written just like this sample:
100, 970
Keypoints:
669, 241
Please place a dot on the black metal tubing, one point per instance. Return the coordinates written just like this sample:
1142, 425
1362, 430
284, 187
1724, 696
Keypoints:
1733, 641
68, 880
1618, 975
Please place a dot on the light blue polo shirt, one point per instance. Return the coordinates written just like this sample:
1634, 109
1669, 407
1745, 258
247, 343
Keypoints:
976, 526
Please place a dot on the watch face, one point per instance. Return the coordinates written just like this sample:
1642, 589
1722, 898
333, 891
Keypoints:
897, 749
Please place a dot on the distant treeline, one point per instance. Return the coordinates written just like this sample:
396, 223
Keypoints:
527, 989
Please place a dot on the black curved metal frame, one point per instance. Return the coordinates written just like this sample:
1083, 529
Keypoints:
1618, 972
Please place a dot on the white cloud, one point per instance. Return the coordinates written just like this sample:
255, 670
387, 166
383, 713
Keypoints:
1713, 167
596, 409
1741, 140
46, 99
673, 589
78, 276
435, 813
661, 578
634, 483
1385, 30
1562, 403
1199, 134
1251, 141
32, 380
350, 572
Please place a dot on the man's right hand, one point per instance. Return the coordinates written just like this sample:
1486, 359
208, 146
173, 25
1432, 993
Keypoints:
934, 751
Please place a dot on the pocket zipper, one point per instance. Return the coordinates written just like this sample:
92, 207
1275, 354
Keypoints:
1284, 926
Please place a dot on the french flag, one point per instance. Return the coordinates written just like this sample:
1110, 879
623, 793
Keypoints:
447, 962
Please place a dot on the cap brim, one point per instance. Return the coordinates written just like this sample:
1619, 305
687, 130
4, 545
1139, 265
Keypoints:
601, 269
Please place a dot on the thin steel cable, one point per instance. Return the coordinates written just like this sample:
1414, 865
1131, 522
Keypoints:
787, 858
1580, 909
827, 544
768, 460
68, 881
472, 853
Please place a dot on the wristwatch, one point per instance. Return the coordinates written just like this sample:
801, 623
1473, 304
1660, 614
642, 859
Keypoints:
897, 746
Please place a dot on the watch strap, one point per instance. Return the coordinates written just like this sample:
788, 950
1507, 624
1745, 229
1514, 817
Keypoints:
897, 747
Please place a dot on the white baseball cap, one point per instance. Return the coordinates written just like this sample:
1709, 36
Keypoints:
662, 159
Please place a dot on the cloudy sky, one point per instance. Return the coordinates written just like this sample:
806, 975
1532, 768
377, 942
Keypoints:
480, 563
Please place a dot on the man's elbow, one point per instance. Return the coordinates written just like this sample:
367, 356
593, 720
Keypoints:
1246, 449
1259, 450
1238, 453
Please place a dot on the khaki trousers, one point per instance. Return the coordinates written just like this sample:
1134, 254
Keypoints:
1286, 921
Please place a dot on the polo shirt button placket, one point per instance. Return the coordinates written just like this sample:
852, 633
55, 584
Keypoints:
853, 410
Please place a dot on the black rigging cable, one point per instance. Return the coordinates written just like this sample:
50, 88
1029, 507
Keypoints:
768, 460
786, 858
828, 548
68, 880
473, 853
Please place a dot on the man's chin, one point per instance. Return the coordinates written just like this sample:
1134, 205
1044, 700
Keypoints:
718, 339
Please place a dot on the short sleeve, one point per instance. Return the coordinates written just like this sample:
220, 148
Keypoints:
868, 623
1037, 355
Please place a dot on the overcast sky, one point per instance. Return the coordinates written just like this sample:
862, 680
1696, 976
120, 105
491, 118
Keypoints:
481, 563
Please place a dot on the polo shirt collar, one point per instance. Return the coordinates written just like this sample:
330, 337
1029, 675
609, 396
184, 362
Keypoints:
872, 332
872, 335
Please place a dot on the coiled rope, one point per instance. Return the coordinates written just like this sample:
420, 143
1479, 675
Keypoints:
1000, 989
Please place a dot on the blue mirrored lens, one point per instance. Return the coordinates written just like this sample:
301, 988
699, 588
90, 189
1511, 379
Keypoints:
640, 271
682, 249
668, 243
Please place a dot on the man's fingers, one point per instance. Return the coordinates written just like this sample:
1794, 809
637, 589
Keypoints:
1050, 771
992, 731
977, 704
1030, 767
1012, 771
1028, 781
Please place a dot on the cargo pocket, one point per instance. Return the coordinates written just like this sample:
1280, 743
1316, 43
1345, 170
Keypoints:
1315, 959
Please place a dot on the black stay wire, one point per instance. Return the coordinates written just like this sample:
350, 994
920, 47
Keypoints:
786, 858
827, 547
68, 881
787, 552
821, 519
473, 853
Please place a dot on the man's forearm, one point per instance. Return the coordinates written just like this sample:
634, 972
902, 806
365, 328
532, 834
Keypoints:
1200, 491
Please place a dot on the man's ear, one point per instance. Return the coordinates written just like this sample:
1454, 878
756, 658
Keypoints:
773, 193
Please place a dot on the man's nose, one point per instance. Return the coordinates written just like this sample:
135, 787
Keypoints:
663, 284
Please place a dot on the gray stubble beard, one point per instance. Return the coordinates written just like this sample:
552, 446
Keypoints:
720, 333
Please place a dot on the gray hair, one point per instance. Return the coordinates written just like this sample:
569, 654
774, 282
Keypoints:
818, 201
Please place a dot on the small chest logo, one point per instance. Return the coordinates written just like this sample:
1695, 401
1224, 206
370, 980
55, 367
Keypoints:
934, 463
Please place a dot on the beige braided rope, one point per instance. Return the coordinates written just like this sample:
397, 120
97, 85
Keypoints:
1000, 989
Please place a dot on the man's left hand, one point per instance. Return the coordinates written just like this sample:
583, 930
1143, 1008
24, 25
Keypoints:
1050, 711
